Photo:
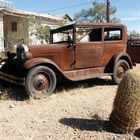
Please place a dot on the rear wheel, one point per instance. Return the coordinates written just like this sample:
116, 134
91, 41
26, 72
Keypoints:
119, 71
40, 82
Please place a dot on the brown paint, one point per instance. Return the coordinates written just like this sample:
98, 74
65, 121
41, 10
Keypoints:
80, 60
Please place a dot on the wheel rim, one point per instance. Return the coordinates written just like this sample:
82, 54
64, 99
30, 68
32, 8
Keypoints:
121, 72
40, 83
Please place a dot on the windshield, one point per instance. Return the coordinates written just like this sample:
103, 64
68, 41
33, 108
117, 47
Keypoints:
62, 35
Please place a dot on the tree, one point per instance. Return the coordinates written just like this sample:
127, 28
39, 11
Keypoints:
97, 13
133, 34
43, 32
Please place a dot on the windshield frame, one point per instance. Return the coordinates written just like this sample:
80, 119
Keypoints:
61, 30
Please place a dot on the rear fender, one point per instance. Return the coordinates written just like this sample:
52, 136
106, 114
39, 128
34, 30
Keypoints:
124, 56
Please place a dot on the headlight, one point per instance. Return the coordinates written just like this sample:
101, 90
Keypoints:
21, 53
26, 49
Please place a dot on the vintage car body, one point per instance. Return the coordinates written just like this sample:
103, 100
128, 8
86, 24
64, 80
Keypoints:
86, 51
133, 49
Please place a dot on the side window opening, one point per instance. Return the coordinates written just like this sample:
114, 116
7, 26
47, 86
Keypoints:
82, 34
88, 34
96, 35
112, 34
63, 36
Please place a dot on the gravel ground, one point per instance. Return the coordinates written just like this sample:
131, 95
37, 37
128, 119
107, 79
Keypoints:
78, 111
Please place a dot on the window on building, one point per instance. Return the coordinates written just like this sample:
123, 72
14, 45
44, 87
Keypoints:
14, 26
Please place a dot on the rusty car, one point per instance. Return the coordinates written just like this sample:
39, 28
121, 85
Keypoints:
76, 51
133, 48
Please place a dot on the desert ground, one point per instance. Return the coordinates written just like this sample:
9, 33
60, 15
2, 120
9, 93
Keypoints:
77, 111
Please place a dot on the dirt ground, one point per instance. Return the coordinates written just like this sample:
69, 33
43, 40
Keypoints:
77, 111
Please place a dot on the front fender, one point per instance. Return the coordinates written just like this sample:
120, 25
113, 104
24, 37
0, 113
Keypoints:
37, 61
43, 61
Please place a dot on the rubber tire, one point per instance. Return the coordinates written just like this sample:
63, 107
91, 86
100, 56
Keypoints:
125, 66
31, 91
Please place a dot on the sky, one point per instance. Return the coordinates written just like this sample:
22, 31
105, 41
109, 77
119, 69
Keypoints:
127, 10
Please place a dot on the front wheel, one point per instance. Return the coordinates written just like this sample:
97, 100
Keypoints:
120, 68
40, 82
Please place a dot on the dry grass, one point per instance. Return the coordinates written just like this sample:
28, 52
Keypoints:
77, 111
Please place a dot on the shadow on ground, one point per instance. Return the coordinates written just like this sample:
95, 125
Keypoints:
91, 125
68, 85
12, 92
137, 133
87, 124
18, 93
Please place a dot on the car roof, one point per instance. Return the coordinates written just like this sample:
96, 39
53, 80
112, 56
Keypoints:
99, 24
91, 24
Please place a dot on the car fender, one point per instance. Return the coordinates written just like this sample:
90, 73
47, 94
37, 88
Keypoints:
109, 68
38, 61
46, 62
123, 56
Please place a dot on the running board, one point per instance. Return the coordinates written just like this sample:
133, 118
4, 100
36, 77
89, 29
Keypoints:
84, 74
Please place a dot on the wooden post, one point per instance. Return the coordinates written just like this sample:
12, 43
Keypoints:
108, 11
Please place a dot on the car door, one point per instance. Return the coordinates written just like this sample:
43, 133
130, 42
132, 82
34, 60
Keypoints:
133, 49
89, 49
114, 42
